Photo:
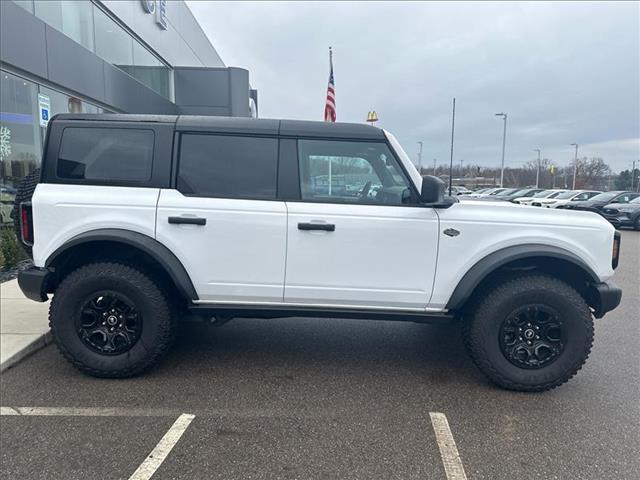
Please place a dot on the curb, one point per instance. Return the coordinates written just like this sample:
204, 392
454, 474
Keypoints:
32, 347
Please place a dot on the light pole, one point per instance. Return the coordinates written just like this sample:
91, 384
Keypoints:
575, 166
504, 137
435, 160
461, 170
538, 169
633, 173
420, 158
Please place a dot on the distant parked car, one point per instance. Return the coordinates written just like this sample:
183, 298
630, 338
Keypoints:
457, 190
497, 196
485, 192
623, 214
518, 193
567, 197
599, 202
552, 193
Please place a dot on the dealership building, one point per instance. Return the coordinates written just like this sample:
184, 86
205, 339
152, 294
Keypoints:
127, 56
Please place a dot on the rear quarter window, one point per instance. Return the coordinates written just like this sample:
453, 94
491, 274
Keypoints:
225, 166
106, 154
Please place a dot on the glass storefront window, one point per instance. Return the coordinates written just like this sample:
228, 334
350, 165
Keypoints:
19, 129
117, 47
74, 19
61, 103
150, 71
26, 4
113, 43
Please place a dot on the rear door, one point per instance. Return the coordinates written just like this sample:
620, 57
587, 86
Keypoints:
357, 237
223, 220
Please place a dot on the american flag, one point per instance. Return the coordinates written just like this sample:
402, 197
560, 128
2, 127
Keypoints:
330, 106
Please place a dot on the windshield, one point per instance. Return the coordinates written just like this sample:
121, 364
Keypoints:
497, 191
543, 194
604, 197
406, 161
569, 194
555, 194
508, 191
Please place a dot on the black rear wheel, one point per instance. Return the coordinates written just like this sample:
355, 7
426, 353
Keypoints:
111, 320
531, 333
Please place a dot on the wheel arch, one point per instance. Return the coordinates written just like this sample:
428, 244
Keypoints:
555, 261
112, 243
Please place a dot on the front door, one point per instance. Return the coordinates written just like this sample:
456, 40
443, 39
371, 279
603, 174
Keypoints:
223, 221
357, 238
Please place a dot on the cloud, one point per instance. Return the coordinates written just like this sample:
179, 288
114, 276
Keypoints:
564, 72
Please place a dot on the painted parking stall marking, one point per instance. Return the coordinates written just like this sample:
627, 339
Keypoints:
163, 448
444, 438
447, 445
159, 453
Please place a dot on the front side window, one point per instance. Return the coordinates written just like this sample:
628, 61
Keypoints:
106, 154
228, 166
351, 172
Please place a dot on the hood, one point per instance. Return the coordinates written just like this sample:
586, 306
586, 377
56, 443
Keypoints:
587, 203
511, 212
624, 207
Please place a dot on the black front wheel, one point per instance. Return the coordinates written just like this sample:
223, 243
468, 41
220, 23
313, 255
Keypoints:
531, 333
111, 320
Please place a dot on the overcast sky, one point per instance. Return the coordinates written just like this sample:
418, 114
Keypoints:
564, 72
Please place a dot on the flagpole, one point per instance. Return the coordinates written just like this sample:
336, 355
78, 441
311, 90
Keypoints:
453, 126
330, 162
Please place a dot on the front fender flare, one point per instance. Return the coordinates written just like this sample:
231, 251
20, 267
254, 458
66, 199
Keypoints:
499, 258
161, 254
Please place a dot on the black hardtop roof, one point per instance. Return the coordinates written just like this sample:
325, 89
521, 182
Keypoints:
255, 126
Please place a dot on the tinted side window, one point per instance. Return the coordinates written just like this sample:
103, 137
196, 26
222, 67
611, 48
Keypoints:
106, 154
228, 166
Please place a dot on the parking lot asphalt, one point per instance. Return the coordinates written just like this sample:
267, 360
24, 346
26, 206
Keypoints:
331, 398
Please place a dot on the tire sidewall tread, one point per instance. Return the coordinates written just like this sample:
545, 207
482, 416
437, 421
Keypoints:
482, 332
157, 332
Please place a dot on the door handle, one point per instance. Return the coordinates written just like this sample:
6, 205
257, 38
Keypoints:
327, 227
188, 220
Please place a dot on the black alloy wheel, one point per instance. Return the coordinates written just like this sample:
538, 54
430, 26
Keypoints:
109, 323
532, 336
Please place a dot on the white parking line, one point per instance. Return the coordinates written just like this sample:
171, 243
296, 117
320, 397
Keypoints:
88, 412
163, 448
448, 451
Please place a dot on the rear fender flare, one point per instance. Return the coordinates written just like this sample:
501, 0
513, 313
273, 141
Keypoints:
161, 254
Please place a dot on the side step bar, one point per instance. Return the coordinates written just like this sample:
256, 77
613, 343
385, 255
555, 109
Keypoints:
278, 311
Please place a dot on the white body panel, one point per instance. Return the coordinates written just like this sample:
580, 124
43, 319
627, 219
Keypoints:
377, 255
60, 212
239, 255
252, 252
486, 227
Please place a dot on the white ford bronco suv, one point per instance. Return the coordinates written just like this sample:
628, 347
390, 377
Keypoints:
136, 221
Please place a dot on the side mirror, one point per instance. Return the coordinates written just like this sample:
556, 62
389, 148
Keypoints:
432, 190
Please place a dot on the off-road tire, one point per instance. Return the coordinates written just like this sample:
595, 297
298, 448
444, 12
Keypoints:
25, 191
483, 330
157, 332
